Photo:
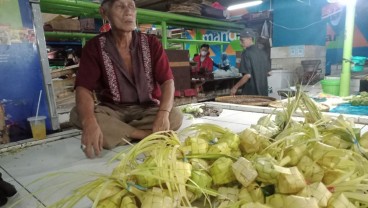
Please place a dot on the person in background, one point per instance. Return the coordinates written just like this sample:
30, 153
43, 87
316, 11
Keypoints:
204, 61
195, 55
254, 65
130, 75
225, 63
6, 190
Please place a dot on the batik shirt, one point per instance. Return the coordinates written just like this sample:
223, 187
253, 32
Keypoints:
102, 70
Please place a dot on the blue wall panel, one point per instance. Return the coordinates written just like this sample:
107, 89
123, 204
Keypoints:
293, 15
21, 77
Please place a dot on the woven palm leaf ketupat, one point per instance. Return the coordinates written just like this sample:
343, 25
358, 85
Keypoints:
183, 171
254, 205
340, 201
230, 194
300, 202
107, 203
256, 192
221, 171
105, 191
244, 195
244, 171
144, 177
276, 200
199, 164
318, 191
319, 150
335, 141
331, 176
199, 178
265, 166
294, 154
113, 201
128, 201
231, 139
338, 159
292, 182
195, 145
252, 141
156, 198
311, 170
220, 148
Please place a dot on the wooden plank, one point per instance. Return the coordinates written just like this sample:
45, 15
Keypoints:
64, 71
179, 64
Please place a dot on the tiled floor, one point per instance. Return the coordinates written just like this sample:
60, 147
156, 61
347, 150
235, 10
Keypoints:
22, 167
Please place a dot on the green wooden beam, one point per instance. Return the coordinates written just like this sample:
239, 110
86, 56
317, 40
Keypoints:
164, 34
89, 9
198, 42
72, 35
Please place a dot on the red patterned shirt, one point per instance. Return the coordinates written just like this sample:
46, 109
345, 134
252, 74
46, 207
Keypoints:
206, 64
102, 70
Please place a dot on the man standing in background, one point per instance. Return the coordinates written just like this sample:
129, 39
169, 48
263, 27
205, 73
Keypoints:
254, 66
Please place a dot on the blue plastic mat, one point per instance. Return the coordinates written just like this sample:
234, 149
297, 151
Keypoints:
347, 108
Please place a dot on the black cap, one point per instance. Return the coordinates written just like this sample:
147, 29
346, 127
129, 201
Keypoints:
248, 33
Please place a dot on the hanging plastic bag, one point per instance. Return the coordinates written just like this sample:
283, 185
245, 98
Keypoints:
265, 34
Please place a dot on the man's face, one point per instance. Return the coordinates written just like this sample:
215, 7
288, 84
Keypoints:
121, 14
246, 42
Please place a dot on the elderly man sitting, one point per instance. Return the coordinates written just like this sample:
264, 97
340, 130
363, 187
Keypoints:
130, 74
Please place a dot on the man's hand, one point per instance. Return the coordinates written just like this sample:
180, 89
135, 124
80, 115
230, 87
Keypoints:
161, 122
92, 138
233, 91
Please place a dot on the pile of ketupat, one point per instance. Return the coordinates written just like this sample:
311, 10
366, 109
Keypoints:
278, 163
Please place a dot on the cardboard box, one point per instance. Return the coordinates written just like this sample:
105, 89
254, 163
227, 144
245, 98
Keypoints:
87, 25
179, 63
61, 23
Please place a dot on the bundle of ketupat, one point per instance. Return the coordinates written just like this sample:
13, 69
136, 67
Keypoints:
315, 163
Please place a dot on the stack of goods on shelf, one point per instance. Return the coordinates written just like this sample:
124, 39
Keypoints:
63, 82
199, 8
214, 10
71, 24
64, 64
190, 7
61, 23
